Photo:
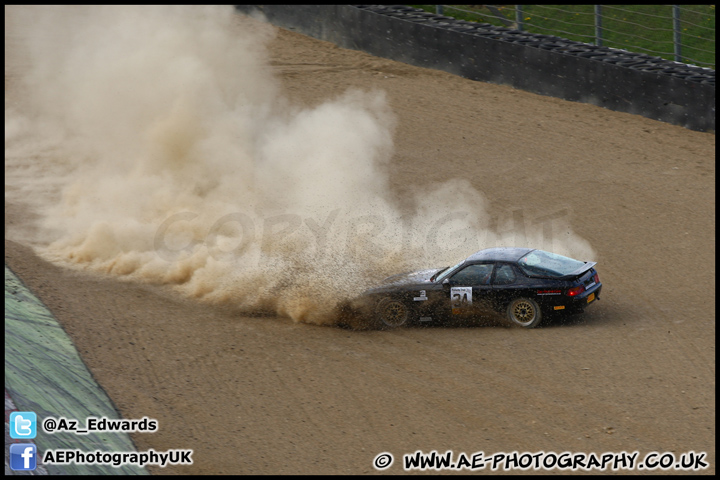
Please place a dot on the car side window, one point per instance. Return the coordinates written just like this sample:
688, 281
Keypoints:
473, 275
504, 275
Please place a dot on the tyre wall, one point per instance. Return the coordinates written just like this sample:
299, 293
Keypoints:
611, 78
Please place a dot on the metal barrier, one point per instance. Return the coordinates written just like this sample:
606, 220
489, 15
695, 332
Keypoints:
544, 64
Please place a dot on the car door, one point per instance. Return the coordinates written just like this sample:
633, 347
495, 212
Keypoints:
506, 280
470, 290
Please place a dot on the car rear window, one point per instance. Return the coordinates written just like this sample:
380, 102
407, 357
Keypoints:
539, 262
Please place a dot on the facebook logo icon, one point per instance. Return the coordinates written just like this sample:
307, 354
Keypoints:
23, 425
23, 456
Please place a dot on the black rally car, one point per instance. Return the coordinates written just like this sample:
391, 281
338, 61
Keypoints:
524, 284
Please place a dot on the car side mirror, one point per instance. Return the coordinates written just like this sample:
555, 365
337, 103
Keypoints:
446, 284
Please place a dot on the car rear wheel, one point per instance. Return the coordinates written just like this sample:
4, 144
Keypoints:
392, 313
524, 312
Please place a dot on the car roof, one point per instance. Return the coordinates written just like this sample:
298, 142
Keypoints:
499, 254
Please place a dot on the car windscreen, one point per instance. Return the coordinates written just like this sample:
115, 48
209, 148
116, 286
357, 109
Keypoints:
539, 262
448, 271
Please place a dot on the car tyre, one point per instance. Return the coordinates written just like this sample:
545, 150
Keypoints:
392, 313
524, 312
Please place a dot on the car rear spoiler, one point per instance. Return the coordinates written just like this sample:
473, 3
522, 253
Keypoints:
581, 270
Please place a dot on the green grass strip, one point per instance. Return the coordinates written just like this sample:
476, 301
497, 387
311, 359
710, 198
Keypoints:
44, 374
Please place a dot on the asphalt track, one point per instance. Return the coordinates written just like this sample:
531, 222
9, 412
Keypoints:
266, 395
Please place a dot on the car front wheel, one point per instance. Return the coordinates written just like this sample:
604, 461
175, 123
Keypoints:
392, 313
524, 312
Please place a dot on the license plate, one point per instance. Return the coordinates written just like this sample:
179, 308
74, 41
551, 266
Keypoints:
591, 297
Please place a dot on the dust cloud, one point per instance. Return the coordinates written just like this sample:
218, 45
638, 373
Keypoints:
154, 143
